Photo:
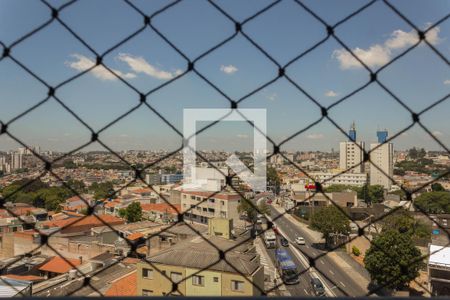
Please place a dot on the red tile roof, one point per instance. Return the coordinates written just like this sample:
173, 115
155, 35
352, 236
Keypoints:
142, 191
25, 277
59, 265
83, 223
162, 207
135, 236
124, 286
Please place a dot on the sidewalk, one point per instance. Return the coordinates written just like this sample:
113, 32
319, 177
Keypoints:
342, 259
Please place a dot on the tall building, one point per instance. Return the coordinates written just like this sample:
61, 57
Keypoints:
382, 155
16, 161
351, 153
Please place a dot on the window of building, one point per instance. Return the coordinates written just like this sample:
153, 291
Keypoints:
198, 280
211, 210
176, 277
212, 200
216, 279
147, 292
147, 273
205, 209
237, 286
222, 202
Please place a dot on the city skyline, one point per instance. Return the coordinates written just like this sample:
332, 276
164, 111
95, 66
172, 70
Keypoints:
327, 74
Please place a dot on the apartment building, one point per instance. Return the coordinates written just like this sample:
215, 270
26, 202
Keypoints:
198, 271
382, 155
351, 153
201, 205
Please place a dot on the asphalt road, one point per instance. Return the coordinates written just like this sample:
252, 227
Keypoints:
338, 280
303, 288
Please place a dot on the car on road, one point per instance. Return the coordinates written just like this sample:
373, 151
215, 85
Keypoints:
284, 242
317, 286
300, 241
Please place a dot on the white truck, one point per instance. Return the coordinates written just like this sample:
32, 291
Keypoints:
270, 239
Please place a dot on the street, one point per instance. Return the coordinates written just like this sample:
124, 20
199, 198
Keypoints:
334, 277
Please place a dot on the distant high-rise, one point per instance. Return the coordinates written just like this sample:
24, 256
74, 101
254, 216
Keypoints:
351, 153
16, 161
352, 133
381, 155
382, 136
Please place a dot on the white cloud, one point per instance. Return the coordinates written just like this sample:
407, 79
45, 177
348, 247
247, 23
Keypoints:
242, 136
400, 39
139, 65
230, 69
437, 133
315, 136
82, 63
380, 54
446, 82
331, 94
375, 56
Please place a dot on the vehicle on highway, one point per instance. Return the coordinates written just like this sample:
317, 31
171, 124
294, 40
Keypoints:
270, 239
317, 285
300, 241
284, 242
286, 267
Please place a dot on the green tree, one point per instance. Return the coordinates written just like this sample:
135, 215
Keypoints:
69, 164
251, 210
434, 202
371, 193
392, 260
102, 190
77, 185
413, 153
437, 187
273, 179
403, 222
133, 212
52, 197
331, 222
340, 188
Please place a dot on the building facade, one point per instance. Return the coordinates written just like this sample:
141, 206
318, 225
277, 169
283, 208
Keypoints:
202, 205
197, 270
381, 156
351, 153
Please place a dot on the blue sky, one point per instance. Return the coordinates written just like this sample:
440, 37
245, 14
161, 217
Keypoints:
328, 73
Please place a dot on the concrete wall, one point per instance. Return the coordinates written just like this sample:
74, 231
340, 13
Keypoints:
210, 288
250, 284
160, 285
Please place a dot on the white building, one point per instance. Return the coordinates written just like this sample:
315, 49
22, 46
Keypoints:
382, 155
199, 206
16, 161
207, 179
353, 179
351, 153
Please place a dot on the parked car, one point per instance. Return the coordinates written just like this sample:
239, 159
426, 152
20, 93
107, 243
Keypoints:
284, 242
317, 286
300, 241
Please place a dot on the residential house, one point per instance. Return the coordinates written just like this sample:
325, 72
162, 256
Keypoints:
161, 212
58, 265
198, 270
